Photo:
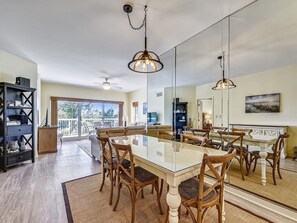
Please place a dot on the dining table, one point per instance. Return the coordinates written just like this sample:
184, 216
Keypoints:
263, 142
171, 161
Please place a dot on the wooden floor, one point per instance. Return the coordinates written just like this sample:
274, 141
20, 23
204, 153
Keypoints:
32, 193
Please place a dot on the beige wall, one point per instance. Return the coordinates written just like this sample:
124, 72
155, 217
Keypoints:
139, 96
12, 66
59, 90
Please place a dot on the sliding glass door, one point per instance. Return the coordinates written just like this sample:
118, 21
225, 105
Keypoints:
80, 118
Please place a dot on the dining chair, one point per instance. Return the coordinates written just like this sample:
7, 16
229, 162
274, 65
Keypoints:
201, 132
273, 157
169, 135
235, 140
216, 144
134, 178
194, 139
196, 193
246, 131
109, 164
116, 132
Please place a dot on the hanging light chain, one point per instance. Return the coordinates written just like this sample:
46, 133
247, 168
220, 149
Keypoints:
143, 22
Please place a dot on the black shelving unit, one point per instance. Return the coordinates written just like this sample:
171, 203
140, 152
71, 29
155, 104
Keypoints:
16, 124
180, 116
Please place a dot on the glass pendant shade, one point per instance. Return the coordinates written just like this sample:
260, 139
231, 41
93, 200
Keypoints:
145, 62
224, 84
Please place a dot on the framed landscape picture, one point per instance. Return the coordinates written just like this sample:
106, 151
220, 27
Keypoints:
265, 103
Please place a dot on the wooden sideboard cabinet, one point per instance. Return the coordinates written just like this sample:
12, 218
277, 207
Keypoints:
47, 140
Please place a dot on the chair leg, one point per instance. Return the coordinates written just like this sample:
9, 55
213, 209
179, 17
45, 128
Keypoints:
158, 195
161, 187
166, 215
255, 165
273, 172
133, 200
103, 179
152, 189
112, 185
247, 165
278, 169
142, 194
118, 197
241, 169
220, 216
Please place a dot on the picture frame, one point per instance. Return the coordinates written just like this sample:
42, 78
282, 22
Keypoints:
264, 103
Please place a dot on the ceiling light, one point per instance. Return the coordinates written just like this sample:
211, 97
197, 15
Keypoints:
106, 85
143, 61
223, 83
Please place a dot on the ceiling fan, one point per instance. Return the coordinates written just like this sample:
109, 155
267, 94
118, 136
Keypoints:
106, 85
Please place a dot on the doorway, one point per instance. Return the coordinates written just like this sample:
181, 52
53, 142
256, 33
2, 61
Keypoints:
205, 113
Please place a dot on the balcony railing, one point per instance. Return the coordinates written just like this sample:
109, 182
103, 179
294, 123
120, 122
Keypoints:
69, 126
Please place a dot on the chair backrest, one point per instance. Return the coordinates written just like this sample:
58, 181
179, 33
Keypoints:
210, 162
124, 152
201, 132
116, 132
215, 129
246, 131
279, 145
193, 139
106, 149
231, 140
169, 135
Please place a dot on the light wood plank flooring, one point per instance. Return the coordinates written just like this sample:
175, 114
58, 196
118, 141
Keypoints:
32, 193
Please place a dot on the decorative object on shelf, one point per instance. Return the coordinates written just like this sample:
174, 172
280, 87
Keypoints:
22, 81
224, 83
143, 61
265, 103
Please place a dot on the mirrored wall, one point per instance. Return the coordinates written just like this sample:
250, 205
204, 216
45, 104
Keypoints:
259, 46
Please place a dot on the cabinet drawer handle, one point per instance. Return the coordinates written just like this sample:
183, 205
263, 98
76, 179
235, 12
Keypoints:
20, 129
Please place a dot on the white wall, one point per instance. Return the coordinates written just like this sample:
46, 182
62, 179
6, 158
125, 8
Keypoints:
156, 104
58, 90
139, 96
12, 66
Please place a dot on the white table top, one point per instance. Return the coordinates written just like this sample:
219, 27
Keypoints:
171, 155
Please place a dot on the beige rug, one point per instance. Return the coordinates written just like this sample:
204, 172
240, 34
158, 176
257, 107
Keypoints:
86, 204
284, 192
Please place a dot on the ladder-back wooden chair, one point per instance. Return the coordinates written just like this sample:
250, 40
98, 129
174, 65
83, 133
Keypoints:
194, 139
246, 131
273, 157
235, 140
169, 135
201, 132
134, 178
195, 193
109, 164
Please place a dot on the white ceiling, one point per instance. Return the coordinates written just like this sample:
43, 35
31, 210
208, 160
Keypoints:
81, 42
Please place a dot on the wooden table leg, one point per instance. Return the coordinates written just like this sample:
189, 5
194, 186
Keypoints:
173, 200
263, 155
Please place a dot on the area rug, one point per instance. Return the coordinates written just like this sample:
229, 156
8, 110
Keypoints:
282, 193
86, 204
85, 145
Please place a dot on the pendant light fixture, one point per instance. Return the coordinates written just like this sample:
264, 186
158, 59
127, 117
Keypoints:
224, 83
143, 61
